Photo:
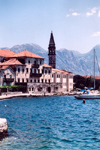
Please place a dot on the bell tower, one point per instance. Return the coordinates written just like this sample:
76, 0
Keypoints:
51, 52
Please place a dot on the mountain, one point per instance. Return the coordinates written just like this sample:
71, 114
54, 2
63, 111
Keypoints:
70, 60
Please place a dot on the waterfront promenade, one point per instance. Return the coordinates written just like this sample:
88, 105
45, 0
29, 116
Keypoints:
20, 94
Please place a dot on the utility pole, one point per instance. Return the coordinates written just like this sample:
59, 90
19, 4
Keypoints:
94, 68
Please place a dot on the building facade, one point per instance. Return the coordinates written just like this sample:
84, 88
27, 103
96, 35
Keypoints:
29, 69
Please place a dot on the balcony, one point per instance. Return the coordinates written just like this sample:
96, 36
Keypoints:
35, 66
8, 79
35, 75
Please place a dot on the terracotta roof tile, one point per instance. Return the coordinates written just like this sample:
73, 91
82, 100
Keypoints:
47, 66
3, 67
96, 77
65, 71
6, 53
12, 61
58, 70
86, 76
26, 53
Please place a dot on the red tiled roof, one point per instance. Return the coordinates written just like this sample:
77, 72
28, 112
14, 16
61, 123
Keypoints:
96, 77
86, 76
57, 70
26, 53
3, 67
67, 72
6, 53
12, 61
47, 66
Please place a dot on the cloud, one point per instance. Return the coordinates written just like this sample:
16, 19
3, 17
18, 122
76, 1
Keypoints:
96, 34
99, 14
89, 14
71, 9
67, 15
92, 12
75, 14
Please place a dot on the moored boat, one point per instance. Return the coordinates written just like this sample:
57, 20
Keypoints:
89, 95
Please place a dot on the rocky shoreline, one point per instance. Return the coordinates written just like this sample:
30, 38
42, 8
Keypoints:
3, 128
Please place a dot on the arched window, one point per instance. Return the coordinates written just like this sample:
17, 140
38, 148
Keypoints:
29, 61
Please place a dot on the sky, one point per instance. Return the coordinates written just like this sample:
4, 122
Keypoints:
75, 23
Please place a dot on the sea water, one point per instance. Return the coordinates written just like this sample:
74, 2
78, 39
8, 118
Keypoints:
51, 123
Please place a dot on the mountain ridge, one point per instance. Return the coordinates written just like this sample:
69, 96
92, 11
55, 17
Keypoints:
69, 60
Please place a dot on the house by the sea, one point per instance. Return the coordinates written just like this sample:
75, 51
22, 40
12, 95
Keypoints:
29, 69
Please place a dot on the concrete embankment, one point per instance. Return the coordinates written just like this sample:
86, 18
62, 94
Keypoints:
3, 128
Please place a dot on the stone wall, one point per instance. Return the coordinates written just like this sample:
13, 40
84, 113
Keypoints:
44, 88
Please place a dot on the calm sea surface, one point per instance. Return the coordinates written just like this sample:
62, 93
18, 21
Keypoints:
51, 123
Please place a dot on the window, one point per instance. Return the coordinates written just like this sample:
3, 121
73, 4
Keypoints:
31, 81
4, 76
64, 76
45, 71
10, 76
42, 80
4, 83
71, 84
34, 80
18, 69
40, 62
42, 71
23, 70
22, 80
29, 61
26, 80
49, 80
45, 80
18, 79
26, 70
29, 89
31, 70
32, 88
49, 71
40, 89
38, 70
71, 76
52, 75
34, 70
7, 71
38, 80
56, 88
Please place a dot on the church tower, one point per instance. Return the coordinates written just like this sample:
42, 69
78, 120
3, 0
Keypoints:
51, 52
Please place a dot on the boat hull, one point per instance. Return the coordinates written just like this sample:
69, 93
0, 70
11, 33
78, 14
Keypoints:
88, 96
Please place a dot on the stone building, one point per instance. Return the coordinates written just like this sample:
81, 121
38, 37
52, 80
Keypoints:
29, 69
